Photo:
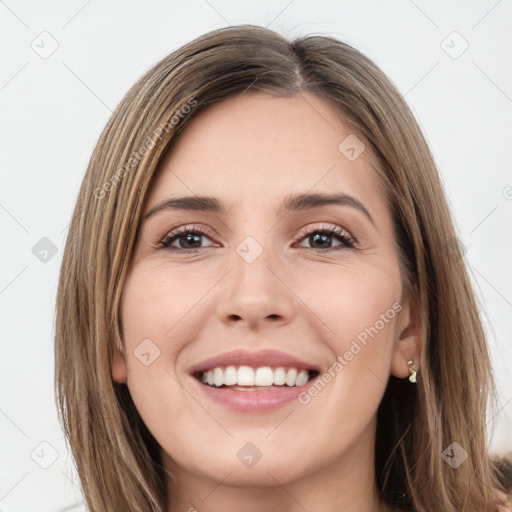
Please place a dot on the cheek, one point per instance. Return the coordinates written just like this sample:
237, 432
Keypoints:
162, 304
359, 307
160, 313
150, 311
353, 298
341, 311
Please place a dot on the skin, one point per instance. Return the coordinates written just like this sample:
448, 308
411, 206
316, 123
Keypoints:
250, 152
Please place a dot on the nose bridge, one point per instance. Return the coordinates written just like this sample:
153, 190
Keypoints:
253, 292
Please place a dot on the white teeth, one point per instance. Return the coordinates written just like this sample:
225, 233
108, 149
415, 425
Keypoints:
302, 378
218, 376
279, 376
230, 376
245, 376
264, 376
291, 377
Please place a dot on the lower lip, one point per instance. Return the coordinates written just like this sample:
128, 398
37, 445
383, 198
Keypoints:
254, 401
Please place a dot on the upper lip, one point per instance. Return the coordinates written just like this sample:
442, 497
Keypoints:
267, 357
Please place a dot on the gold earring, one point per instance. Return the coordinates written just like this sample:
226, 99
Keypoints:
412, 377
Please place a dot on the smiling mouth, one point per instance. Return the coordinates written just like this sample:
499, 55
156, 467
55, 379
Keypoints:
247, 378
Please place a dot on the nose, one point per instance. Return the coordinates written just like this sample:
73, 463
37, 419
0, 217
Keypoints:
256, 294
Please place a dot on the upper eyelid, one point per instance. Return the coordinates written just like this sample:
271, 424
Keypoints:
187, 228
333, 230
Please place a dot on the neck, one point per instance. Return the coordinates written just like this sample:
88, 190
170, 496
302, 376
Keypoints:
344, 484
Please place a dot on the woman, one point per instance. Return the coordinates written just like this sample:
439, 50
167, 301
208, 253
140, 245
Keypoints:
262, 301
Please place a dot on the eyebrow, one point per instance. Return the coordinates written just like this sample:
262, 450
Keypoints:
292, 202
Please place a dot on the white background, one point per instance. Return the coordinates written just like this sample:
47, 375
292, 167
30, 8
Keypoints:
53, 110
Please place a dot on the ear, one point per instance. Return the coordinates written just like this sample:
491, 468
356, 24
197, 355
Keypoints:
119, 370
407, 346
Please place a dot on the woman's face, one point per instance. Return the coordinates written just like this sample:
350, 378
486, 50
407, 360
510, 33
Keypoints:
255, 282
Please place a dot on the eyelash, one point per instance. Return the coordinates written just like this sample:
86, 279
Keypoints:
326, 229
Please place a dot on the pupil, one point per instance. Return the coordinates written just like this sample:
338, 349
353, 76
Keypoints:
189, 238
322, 238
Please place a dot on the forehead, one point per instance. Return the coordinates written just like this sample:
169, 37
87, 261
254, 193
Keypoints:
254, 149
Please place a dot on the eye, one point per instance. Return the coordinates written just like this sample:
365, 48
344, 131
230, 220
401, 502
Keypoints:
322, 235
188, 238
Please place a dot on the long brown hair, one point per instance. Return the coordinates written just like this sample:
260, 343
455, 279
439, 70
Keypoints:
117, 458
